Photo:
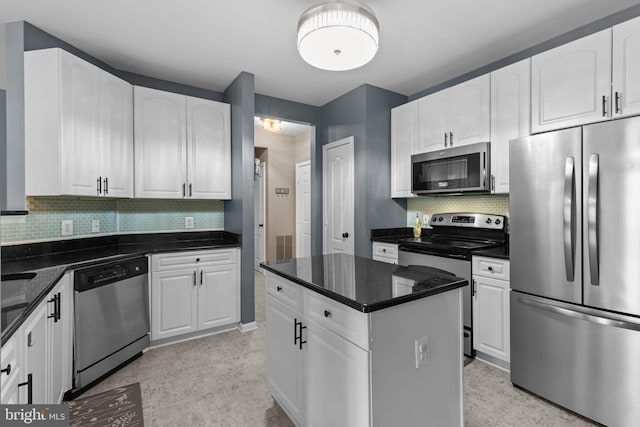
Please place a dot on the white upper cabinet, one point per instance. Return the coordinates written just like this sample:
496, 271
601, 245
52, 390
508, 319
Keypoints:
510, 117
455, 116
571, 84
470, 111
78, 127
182, 146
626, 68
404, 143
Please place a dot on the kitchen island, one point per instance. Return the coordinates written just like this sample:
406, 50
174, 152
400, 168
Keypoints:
357, 342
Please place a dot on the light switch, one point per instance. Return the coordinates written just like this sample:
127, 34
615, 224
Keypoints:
421, 346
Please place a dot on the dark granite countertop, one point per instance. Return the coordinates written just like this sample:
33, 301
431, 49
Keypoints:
50, 260
501, 252
366, 285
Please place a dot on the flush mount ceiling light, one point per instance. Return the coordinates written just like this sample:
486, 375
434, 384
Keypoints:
271, 124
338, 35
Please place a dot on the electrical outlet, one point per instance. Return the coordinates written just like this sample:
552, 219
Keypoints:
67, 227
188, 222
426, 218
95, 226
421, 346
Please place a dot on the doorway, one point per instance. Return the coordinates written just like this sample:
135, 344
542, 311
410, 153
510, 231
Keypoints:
282, 147
260, 207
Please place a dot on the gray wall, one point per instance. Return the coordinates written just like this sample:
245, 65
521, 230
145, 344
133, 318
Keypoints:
3, 148
567, 37
238, 212
365, 114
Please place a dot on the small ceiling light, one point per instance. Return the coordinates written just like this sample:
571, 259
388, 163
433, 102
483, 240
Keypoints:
271, 125
338, 36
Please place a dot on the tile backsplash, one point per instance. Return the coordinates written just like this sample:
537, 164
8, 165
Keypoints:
495, 204
115, 215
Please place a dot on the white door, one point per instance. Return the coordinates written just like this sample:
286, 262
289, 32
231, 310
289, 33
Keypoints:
338, 205
571, 84
116, 136
470, 112
434, 121
404, 143
209, 149
303, 209
160, 144
217, 295
626, 68
491, 333
259, 216
510, 117
174, 308
284, 357
336, 377
59, 355
35, 356
79, 104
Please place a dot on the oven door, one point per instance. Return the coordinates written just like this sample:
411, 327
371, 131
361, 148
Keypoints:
452, 170
459, 267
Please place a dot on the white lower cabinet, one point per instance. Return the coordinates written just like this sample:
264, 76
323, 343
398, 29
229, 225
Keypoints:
40, 352
491, 308
331, 365
194, 291
385, 252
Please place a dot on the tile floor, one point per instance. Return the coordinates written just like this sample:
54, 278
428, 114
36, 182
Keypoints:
220, 381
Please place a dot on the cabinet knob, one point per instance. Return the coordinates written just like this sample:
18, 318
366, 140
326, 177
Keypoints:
6, 370
279, 288
384, 250
327, 313
490, 268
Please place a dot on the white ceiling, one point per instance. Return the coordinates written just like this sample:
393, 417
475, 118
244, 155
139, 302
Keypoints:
207, 43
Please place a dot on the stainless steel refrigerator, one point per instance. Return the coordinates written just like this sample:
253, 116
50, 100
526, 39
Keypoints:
575, 269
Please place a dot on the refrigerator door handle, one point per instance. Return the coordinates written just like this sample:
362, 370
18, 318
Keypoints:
578, 313
568, 226
592, 219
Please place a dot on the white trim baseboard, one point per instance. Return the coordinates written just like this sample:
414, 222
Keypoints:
247, 327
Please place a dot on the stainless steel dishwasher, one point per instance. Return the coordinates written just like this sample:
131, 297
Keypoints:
111, 317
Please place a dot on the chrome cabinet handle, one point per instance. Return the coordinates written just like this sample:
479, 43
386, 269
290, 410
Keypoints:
618, 103
450, 139
568, 213
592, 219
604, 106
445, 139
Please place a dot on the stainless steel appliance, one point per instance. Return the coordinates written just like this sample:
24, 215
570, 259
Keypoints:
452, 170
449, 245
111, 317
575, 269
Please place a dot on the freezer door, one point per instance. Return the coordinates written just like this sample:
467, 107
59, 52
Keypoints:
545, 207
583, 359
611, 235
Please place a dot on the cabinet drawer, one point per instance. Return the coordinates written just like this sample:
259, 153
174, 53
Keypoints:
338, 318
287, 292
385, 250
9, 356
189, 259
491, 267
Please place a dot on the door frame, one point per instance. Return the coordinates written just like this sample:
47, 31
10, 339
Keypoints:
263, 167
299, 206
349, 141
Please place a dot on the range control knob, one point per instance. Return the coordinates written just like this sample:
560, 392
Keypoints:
440, 219
434, 218
488, 220
497, 221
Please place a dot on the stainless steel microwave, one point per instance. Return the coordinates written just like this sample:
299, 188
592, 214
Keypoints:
452, 170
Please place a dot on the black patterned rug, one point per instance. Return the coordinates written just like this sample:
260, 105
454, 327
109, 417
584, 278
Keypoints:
121, 407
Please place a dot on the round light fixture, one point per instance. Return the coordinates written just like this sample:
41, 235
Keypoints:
338, 36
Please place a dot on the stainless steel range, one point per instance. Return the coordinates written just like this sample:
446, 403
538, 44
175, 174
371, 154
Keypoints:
449, 245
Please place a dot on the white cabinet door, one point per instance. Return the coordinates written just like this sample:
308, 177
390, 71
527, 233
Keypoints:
571, 84
80, 124
60, 345
510, 117
116, 136
626, 68
209, 149
491, 332
470, 112
217, 295
404, 143
285, 373
434, 121
336, 380
173, 303
35, 357
160, 144
10, 362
